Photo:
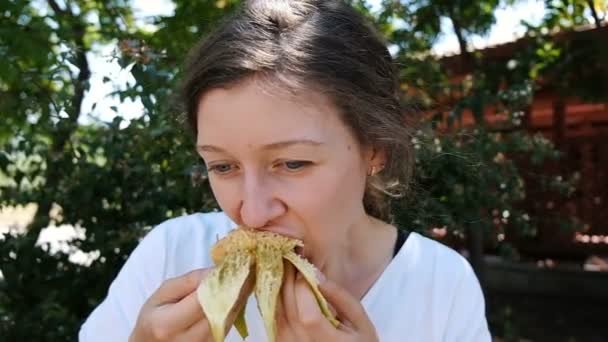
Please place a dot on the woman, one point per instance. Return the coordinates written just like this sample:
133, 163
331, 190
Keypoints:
295, 112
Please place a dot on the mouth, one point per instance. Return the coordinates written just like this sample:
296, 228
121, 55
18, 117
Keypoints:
286, 232
238, 261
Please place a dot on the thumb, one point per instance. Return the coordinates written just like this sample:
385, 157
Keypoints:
309, 313
346, 305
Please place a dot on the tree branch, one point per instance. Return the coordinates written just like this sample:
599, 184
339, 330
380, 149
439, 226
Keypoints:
458, 30
596, 18
55, 6
65, 128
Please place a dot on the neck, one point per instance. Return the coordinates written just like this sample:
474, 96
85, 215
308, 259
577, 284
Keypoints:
362, 256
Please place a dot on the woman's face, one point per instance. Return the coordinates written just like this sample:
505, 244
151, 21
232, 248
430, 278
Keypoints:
283, 164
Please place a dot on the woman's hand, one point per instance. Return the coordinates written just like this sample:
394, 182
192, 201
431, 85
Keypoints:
173, 313
301, 320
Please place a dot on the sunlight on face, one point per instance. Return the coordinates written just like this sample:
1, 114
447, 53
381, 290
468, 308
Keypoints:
283, 164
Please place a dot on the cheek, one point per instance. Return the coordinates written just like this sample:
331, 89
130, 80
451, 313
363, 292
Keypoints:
332, 197
227, 196
343, 190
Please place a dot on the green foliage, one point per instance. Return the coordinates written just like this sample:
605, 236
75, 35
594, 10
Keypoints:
574, 65
473, 177
114, 179
477, 177
118, 179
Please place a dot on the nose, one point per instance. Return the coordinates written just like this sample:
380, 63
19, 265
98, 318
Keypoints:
259, 204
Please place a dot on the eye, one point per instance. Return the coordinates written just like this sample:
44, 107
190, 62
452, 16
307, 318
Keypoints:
221, 169
295, 165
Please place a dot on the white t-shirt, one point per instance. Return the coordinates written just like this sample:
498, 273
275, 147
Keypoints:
427, 293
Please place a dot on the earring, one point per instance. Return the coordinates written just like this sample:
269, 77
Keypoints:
375, 170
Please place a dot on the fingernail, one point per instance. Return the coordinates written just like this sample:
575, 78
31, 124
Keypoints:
320, 276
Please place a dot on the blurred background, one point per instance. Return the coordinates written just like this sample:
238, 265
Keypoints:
508, 101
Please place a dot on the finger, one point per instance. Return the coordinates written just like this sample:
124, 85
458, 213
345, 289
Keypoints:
177, 288
309, 313
284, 332
199, 331
183, 314
281, 315
347, 306
289, 309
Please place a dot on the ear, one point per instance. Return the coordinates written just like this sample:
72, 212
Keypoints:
375, 156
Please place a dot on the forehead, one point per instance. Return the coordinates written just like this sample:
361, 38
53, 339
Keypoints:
257, 114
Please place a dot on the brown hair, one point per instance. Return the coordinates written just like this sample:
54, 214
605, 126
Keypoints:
320, 45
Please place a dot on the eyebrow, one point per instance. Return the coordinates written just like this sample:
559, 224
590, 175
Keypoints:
274, 146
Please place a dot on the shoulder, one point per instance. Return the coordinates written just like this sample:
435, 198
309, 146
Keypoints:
439, 266
203, 225
458, 301
172, 248
186, 240
434, 255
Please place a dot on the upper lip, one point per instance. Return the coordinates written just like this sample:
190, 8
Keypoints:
280, 230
